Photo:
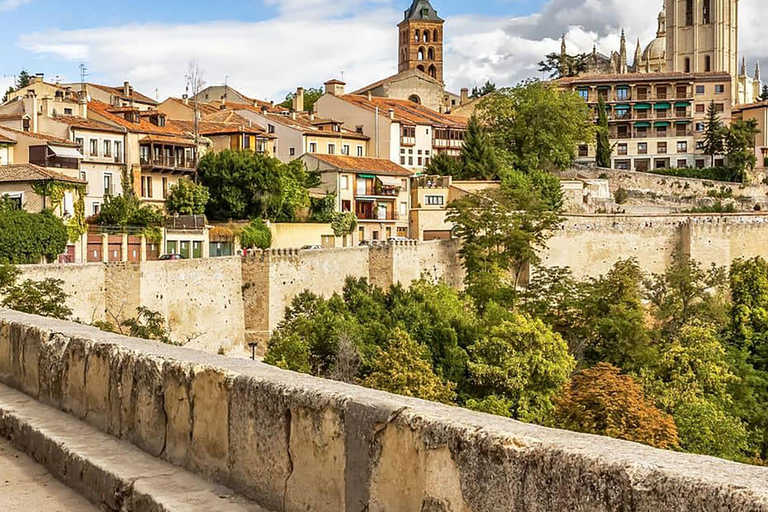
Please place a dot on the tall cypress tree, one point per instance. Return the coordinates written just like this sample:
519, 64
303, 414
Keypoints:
604, 149
713, 135
764, 95
478, 160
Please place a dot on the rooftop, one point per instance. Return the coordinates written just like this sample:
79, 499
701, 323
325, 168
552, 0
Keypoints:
119, 91
56, 141
421, 10
19, 173
112, 115
363, 165
407, 112
89, 124
641, 77
310, 125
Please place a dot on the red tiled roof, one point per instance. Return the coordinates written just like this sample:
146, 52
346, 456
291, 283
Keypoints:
118, 91
206, 127
406, 112
160, 139
308, 126
12, 117
363, 165
89, 124
143, 126
256, 106
41, 136
30, 172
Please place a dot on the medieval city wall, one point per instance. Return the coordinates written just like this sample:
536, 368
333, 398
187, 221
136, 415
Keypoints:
294, 443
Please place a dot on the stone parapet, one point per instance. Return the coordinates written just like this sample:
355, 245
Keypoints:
294, 443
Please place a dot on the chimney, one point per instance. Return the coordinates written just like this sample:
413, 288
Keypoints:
126, 88
298, 100
185, 99
392, 114
293, 115
335, 88
464, 95
34, 113
264, 110
82, 100
45, 102
370, 96
38, 78
312, 116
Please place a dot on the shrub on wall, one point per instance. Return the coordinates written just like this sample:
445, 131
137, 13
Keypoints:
257, 234
710, 173
621, 196
26, 238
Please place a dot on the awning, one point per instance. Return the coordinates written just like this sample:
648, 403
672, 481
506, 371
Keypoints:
389, 181
367, 176
62, 152
683, 104
642, 106
603, 87
662, 106
659, 124
682, 122
642, 124
622, 107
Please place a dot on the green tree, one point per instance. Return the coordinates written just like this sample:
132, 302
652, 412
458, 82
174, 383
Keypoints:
404, 368
128, 210
487, 88
187, 198
444, 165
604, 149
23, 80
502, 231
42, 298
523, 361
764, 95
343, 223
561, 66
246, 184
536, 126
740, 144
478, 159
148, 325
601, 401
311, 95
26, 238
713, 133
256, 235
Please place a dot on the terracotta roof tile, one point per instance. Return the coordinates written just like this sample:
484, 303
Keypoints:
160, 139
309, 126
206, 127
406, 112
41, 136
12, 117
30, 172
118, 91
363, 165
6, 140
89, 124
143, 126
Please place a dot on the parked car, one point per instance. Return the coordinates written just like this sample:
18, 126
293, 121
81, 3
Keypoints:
311, 248
172, 257
397, 239
370, 243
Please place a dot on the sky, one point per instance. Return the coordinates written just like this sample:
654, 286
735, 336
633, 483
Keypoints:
266, 48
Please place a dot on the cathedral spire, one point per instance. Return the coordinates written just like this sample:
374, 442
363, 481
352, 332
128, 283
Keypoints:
757, 71
743, 71
623, 53
638, 54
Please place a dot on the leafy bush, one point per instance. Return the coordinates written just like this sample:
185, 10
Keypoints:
26, 238
343, 224
148, 325
187, 198
43, 298
621, 196
710, 173
257, 234
127, 210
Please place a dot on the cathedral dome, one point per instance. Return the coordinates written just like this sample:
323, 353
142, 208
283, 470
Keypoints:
656, 50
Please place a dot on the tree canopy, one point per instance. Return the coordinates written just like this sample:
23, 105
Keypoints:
187, 198
311, 95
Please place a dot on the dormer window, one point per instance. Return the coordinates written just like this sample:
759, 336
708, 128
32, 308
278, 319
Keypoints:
425, 13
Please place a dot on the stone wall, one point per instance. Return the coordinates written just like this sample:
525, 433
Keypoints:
295, 443
84, 283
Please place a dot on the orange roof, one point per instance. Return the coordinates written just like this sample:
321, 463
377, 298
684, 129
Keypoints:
256, 106
89, 124
6, 140
309, 126
143, 126
406, 112
118, 91
30, 172
204, 108
206, 127
41, 136
160, 139
358, 164
12, 117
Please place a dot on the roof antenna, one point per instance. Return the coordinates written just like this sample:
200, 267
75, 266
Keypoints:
83, 72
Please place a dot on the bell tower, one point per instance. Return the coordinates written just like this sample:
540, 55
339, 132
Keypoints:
421, 40
703, 36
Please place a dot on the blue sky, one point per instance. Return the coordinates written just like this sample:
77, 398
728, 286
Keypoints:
267, 47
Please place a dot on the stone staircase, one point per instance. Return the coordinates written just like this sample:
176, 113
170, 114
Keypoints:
114, 475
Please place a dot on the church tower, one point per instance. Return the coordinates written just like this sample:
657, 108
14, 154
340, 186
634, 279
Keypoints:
703, 36
421, 40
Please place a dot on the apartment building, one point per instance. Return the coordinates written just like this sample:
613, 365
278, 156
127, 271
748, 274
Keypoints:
157, 154
759, 112
375, 189
121, 96
227, 130
656, 120
402, 131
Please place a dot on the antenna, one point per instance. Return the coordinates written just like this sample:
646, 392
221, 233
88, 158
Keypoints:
342, 75
83, 72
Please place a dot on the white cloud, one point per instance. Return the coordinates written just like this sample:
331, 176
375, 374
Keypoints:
9, 5
311, 41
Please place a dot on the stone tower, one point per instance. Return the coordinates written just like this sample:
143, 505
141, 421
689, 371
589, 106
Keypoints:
421, 40
703, 36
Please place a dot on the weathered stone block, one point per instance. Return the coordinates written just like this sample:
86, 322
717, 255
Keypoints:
73, 399
209, 394
178, 412
29, 352
259, 426
52, 369
97, 385
318, 459
149, 413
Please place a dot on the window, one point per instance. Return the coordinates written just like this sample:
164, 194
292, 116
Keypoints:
682, 163
700, 164
346, 205
682, 147
700, 108
584, 93
707, 12
83, 176
583, 150
421, 161
360, 151
621, 149
94, 147
402, 160
345, 149
96, 208
331, 149
700, 89
707, 63
410, 160
719, 89
79, 142
107, 148
661, 148
292, 152
146, 186
688, 13
118, 151
687, 65
699, 145
434, 200
681, 111
344, 182
682, 91
719, 107
661, 131
68, 112
313, 147
271, 128
107, 184
622, 93
403, 209
642, 148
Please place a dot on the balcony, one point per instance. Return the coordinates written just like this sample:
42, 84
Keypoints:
407, 141
169, 162
431, 182
380, 216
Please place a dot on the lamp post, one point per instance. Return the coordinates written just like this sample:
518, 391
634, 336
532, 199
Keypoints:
253, 346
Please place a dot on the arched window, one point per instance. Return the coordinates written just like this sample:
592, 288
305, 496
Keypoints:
435, 36
421, 54
415, 99
417, 35
687, 65
426, 36
431, 54
421, 68
707, 63
433, 71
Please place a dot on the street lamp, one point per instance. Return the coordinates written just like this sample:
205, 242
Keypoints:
253, 346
